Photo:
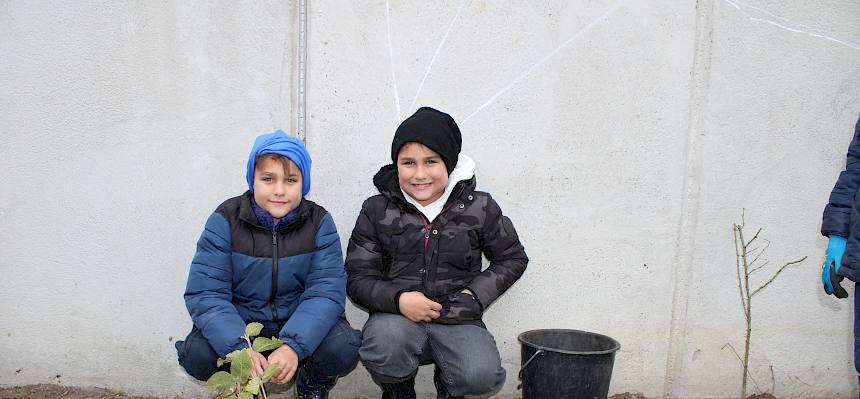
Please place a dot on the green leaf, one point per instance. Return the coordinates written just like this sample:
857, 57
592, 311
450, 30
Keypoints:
253, 329
233, 354
220, 381
270, 371
262, 344
253, 386
245, 395
220, 362
240, 367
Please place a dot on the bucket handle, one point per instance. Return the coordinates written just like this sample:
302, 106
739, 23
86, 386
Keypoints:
539, 352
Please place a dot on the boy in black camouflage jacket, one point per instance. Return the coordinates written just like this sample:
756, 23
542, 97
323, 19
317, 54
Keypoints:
414, 262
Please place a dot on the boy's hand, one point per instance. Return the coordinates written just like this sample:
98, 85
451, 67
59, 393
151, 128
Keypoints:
258, 362
833, 260
460, 308
416, 307
289, 361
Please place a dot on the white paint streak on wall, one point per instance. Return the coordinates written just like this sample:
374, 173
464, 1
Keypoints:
435, 54
522, 76
787, 24
391, 60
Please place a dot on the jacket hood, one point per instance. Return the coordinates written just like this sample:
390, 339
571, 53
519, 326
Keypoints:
463, 175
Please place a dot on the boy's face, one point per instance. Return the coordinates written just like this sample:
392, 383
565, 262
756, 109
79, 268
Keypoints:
277, 188
421, 173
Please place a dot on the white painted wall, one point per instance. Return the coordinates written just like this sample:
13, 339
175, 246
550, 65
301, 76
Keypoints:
622, 138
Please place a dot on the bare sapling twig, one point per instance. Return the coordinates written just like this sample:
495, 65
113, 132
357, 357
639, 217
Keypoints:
737, 355
745, 266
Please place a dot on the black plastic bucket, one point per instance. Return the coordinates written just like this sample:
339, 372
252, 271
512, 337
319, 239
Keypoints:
559, 364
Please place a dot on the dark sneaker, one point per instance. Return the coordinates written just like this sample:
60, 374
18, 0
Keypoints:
441, 390
307, 389
400, 390
274, 389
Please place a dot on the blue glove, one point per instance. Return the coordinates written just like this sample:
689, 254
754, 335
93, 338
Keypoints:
832, 262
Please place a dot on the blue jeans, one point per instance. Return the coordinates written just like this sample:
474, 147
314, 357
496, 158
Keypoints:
465, 355
336, 356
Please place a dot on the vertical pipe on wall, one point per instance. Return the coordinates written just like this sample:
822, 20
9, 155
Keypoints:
302, 57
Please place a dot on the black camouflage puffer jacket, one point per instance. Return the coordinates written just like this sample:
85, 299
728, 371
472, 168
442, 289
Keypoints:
394, 249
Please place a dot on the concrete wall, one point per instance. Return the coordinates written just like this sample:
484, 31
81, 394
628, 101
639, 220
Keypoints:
622, 138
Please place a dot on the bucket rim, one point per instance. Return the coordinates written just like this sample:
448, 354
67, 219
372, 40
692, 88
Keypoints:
615, 344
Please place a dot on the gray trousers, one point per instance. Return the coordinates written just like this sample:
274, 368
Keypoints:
466, 356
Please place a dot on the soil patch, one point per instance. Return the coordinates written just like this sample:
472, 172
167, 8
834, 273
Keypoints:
53, 391
636, 395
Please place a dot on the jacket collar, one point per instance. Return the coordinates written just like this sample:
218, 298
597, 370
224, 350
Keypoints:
388, 185
247, 214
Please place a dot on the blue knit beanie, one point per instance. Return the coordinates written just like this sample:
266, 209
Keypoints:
280, 143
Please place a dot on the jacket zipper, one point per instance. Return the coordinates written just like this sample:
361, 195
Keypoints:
427, 228
272, 304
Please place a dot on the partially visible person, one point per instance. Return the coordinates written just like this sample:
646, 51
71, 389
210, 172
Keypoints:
841, 226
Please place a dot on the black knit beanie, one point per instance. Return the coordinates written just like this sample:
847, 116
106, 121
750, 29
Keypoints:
435, 129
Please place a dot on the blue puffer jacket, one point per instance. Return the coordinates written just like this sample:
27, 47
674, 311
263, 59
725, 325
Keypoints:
243, 272
842, 213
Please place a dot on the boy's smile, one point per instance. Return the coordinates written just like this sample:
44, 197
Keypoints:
277, 186
421, 173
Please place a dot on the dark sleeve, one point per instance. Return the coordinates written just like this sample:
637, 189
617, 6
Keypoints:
838, 209
364, 266
506, 254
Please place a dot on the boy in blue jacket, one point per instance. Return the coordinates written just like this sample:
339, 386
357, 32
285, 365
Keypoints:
271, 256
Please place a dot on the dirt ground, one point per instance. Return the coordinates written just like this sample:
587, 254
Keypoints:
627, 395
53, 391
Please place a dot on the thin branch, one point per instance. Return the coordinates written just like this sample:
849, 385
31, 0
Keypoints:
733, 350
761, 252
738, 267
777, 273
763, 265
754, 237
754, 381
753, 249
746, 280
742, 362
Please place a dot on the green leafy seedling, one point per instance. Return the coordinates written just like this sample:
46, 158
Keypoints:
240, 382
